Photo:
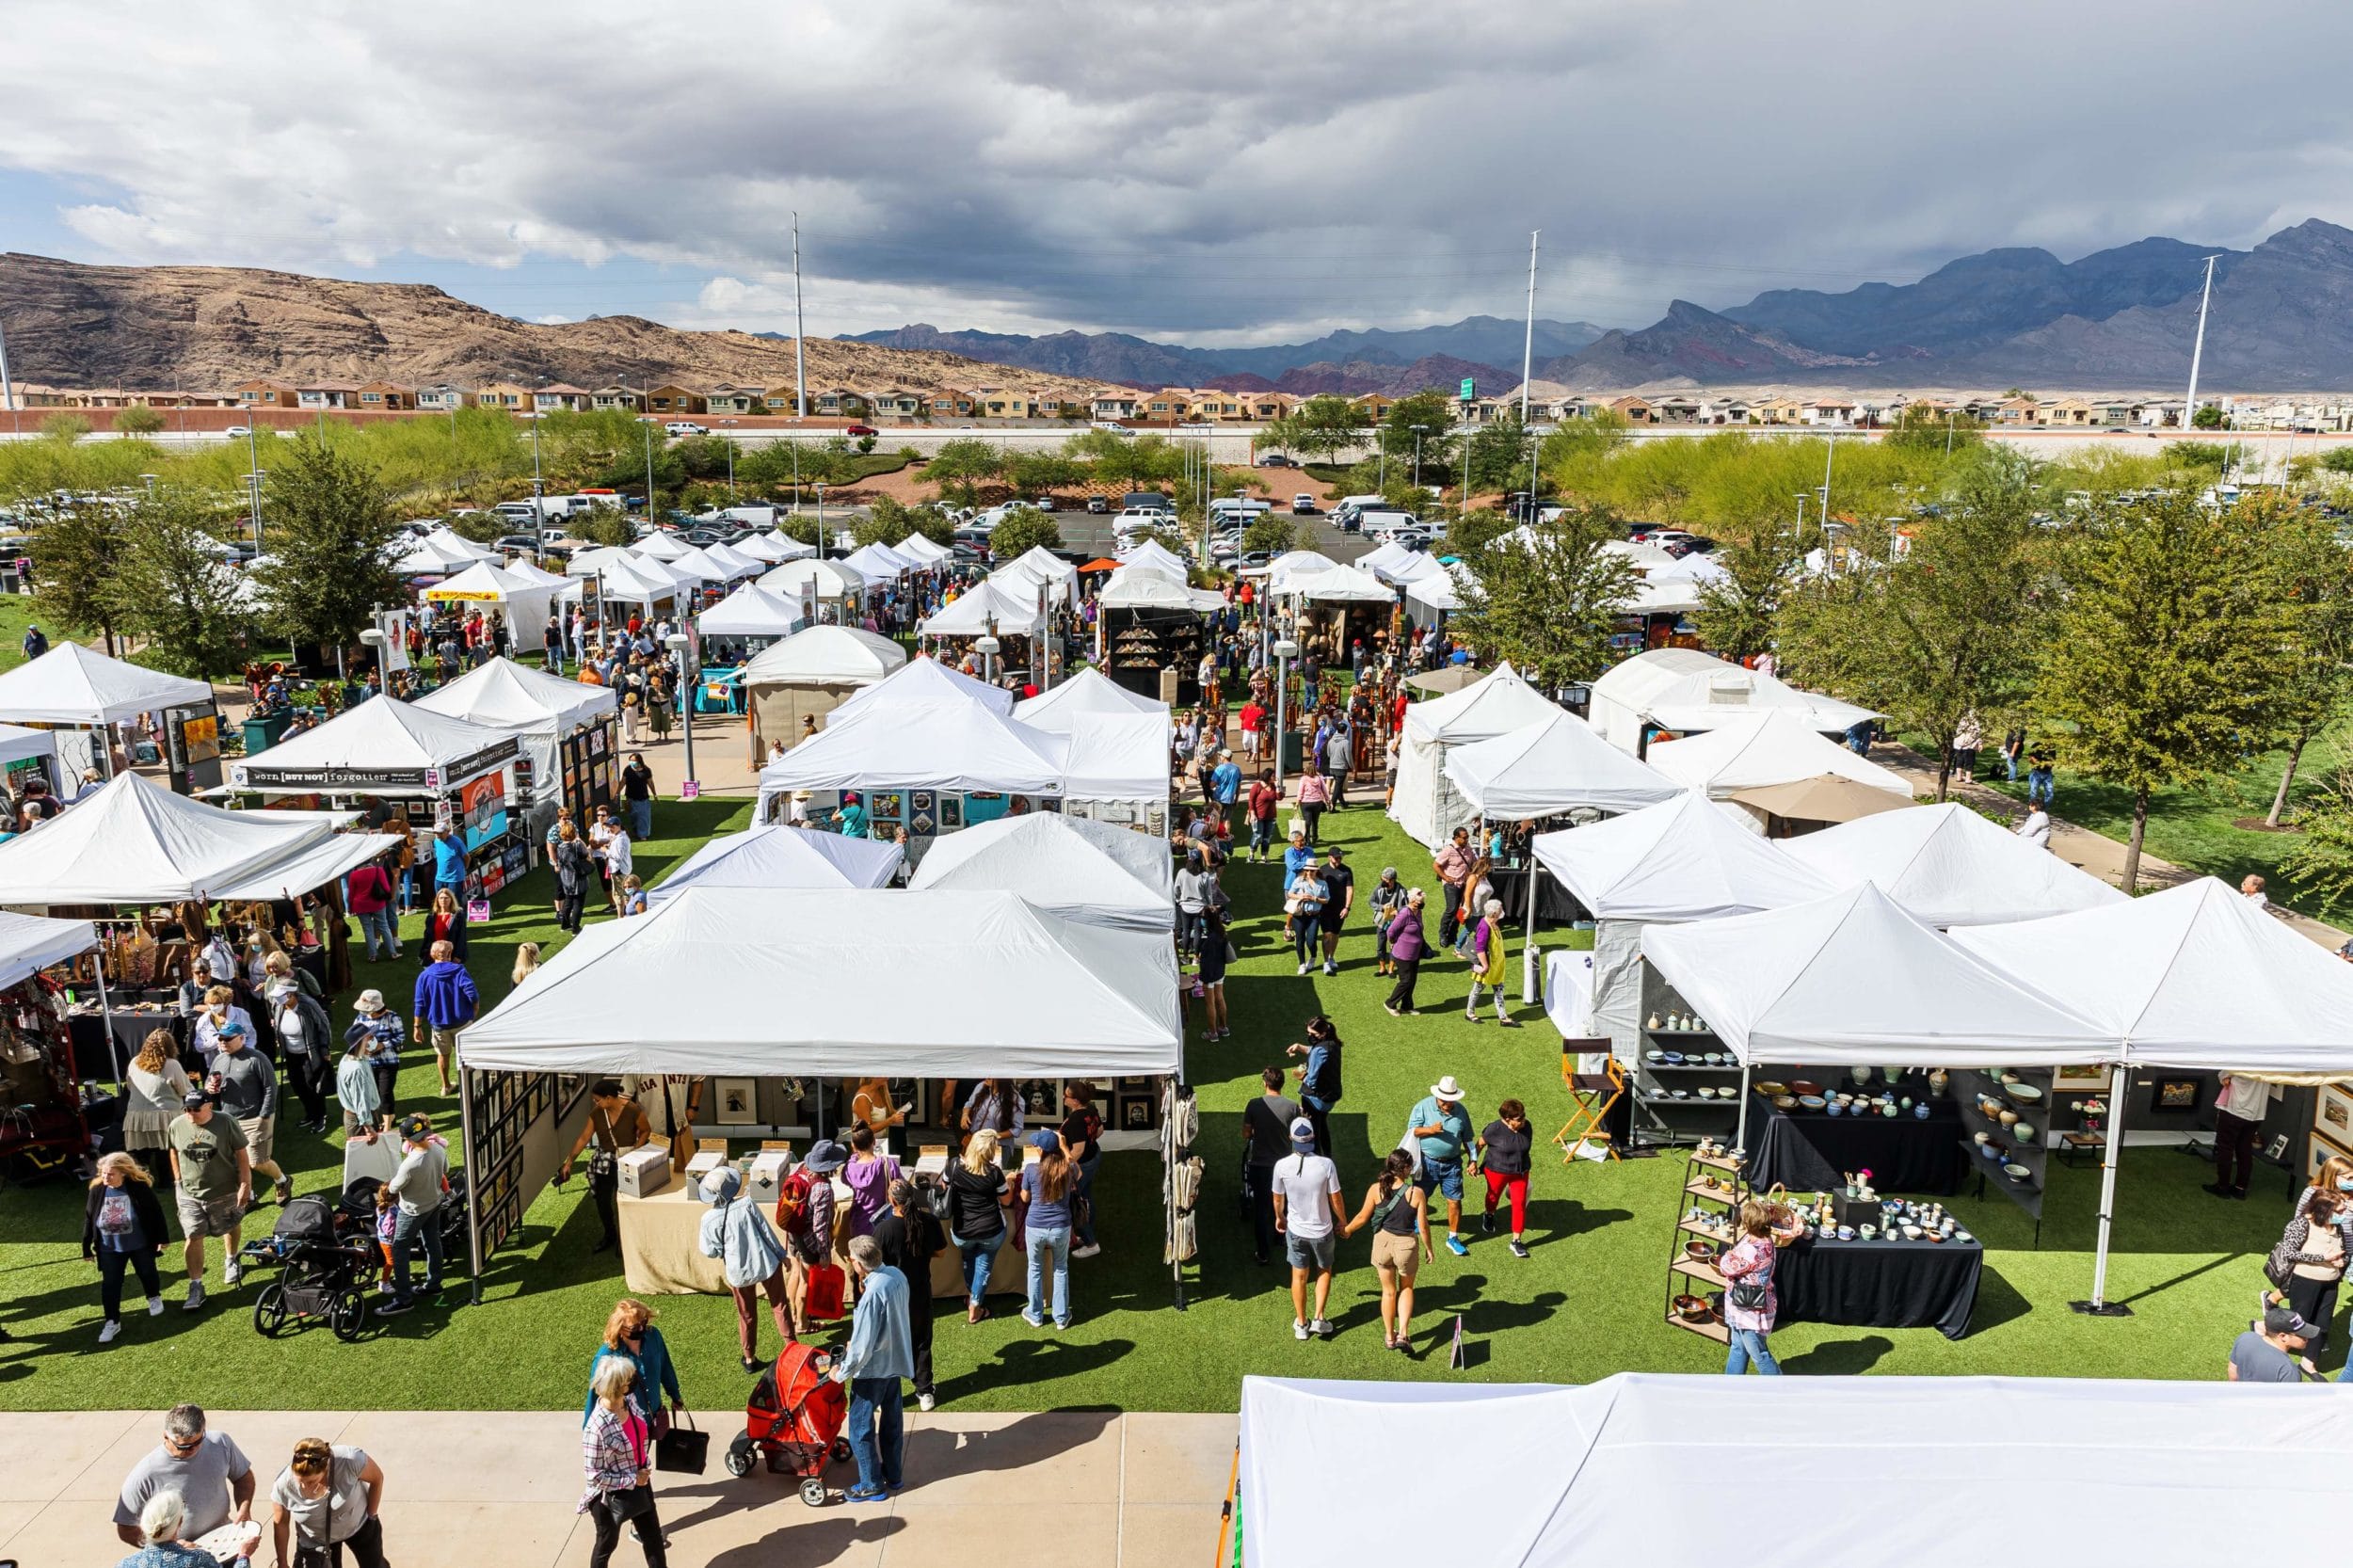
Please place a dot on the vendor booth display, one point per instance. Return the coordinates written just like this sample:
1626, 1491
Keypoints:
829, 583
1080, 871
29, 753
810, 674
750, 619
1950, 866
989, 608
1759, 750
569, 731
779, 856
2154, 1472
83, 697
1686, 691
524, 602
1426, 803
1148, 633
903, 756
1549, 768
47, 1128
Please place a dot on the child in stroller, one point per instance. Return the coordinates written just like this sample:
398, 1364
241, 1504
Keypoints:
795, 1416
325, 1254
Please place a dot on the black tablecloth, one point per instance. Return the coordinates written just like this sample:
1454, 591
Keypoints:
95, 1062
1812, 1150
1879, 1283
1555, 903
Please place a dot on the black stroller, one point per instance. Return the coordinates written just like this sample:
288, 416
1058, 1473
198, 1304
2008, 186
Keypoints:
325, 1254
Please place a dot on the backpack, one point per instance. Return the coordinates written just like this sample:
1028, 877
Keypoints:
793, 1203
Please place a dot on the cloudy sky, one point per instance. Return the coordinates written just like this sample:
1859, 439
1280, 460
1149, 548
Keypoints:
1219, 173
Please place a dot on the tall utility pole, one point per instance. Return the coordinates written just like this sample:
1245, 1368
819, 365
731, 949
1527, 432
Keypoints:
253, 464
1528, 344
7, 388
800, 332
2197, 351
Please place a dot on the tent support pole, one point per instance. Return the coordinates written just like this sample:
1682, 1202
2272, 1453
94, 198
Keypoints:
106, 1018
1168, 1189
473, 1188
1740, 1129
2099, 1306
1528, 964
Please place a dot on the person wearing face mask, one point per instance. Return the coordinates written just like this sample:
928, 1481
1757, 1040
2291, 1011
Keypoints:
221, 1011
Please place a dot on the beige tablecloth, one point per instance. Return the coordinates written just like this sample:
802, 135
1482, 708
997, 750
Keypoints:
661, 1250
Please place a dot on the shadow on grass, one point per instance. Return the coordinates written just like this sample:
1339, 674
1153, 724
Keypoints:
2183, 1278
1998, 1302
1029, 1361
1840, 1356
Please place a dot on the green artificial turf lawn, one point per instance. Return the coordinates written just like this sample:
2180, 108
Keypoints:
1588, 1302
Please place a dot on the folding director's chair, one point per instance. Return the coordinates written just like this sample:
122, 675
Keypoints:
1596, 1095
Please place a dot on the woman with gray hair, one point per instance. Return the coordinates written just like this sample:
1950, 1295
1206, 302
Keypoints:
1407, 947
160, 1523
617, 1451
1489, 964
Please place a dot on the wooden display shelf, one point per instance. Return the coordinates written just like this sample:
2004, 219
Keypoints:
1693, 1067
1719, 1193
1702, 1272
1711, 1329
1714, 1233
1730, 1167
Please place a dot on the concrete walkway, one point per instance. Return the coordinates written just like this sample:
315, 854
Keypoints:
1085, 1486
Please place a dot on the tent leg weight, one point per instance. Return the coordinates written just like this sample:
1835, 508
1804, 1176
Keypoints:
2100, 1309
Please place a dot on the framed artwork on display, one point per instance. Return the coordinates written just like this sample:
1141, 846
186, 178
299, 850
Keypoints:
735, 1101
2173, 1093
2079, 1079
1135, 1112
2332, 1114
2320, 1149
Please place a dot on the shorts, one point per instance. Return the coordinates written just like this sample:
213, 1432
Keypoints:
218, 1217
1313, 1253
1330, 920
1444, 1176
444, 1040
1396, 1256
261, 1137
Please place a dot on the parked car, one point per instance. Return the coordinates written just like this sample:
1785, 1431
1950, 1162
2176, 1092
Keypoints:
1276, 459
972, 538
685, 427
1098, 505
856, 430
1046, 504
523, 542
1303, 505
237, 430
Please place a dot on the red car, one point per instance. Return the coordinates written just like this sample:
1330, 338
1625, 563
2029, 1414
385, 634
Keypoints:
862, 430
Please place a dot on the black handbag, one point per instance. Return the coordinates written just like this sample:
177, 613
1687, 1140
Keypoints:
682, 1448
621, 1506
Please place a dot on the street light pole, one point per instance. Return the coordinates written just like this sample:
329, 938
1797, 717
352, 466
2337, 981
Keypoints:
645, 422
821, 522
538, 487
1418, 429
1283, 650
686, 682
730, 429
253, 463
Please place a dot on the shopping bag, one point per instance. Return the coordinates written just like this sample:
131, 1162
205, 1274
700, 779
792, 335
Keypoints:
825, 1289
682, 1448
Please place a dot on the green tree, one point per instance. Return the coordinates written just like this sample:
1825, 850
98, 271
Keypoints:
2163, 652
1550, 599
1035, 473
1740, 611
172, 587
1273, 532
959, 467
1324, 427
137, 419
705, 457
65, 428
2322, 859
331, 534
865, 445
2313, 578
74, 568
1475, 529
2209, 417
481, 525
2207, 456
1945, 631
1922, 427
1435, 414
603, 525
1499, 455
1023, 531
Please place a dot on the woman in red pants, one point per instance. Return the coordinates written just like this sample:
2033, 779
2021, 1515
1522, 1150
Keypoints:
1503, 1155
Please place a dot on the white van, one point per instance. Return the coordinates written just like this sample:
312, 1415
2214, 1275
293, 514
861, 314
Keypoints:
1382, 523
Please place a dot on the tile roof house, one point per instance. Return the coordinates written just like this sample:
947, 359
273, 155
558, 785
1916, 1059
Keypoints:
389, 396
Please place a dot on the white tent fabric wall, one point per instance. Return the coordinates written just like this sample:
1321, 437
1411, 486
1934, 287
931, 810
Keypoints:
823, 656
1759, 749
539, 708
1081, 871
1147, 588
31, 943
1854, 978
1117, 756
832, 579
932, 984
1425, 805
1690, 859
751, 611
1584, 1475
774, 549
1549, 767
637, 582
990, 607
877, 563
74, 684
1438, 595
383, 734
782, 856
20, 744
522, 601
1685, 690
1338, 585
1950, 866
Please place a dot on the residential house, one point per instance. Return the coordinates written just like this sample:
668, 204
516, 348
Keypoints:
326, 394
674, 400
724, 401
948, 403
1048, 405
504, 395
629, 400
1633, 410
897, 403
1374, 405
2160, 412
386, 397
1827, 411
1169, 403
1213, 405
266, 394
1724, 411
1775, 410
1263, 406
782, 400
840, 403
2017, 412
442, 399
1003, 403
561, 395
1675, 408
1112, 403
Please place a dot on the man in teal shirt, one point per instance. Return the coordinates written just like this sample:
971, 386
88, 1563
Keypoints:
881, 1351
1444, 1128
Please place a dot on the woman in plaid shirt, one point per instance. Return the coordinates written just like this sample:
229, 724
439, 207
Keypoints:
615, 1453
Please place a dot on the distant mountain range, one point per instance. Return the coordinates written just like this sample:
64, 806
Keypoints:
2282, 320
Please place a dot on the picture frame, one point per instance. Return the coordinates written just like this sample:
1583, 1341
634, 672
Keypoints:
2332, 1114
2173, 1093
2080, 1078
1135, 1114
2317, 1152
735, 1101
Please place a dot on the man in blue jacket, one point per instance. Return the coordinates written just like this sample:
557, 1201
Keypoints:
446, 1003
882, 1352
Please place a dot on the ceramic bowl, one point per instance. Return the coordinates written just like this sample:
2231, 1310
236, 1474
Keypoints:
1933, 1235
1704, 1092
2023, 1132
1867, 1232
1962, 1236
1770, 1089
1911, 1233
2007, 1118
2015, 1171
1679, 1093
2025, 1093
1785, 1102
1693, 1309
1699, 1251
1656, 1055
1801, 1087
1837, 1108
2008, 1077
1982, 1138
1674, 1058
1812, 1102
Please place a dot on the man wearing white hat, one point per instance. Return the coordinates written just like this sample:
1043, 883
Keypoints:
1443, 1130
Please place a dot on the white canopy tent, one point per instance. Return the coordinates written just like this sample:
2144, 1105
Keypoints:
752, 611
1416, 566
1554, 766
878, 562
635, 581
1338, 585
1295, 563
782, 856
2193, 977
928, 985
1149, 588
1684, 690
1154, 553
77, 685
734, 562
831, 579
20, 744
1425, 804
2153, 1472
456, 544
1080, 871
383, 747
1079, 701
1950, 867
31, 943
661, 546
923, 551
533, 572
990, 607
422, 557
1690, 859
524, 602
699, 565
810, 674
537, 708
1115, 756
774, 549
1381, 557
671, 570
957, 746
922, 679
1449, 590
1760, 749
134, 841
587, 563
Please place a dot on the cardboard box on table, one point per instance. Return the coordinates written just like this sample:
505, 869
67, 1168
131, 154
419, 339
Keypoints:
645, 1171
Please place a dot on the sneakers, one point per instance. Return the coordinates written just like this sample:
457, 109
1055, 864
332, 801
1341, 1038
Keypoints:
284, 1193
395, 1307
865, 1494
1031, 1318
1454, 1244
1330, 968
113, 1327
384, 1287
1507, 1021
1487, 1222
1391, 1008
1519, 1248
2217, 1190
1299, 1330
1322, 1328
196, 1296
155, 1307
924, 1403
1302, 968
1089, 1250
232, 1271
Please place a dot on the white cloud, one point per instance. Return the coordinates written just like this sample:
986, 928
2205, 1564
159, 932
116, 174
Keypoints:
1226, 171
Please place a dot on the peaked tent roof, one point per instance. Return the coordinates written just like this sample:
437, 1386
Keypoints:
1044, 562
1388, 553
1088, 692
661, 546
776, 549
422, 557
824, 656
1856, 978
1447, 589
833, 579
18, 742
450, 542
1683, 689
1950, 867
1152, 552
383, 734
926, 679
1295, 563
782, 856
953, 746
1775, 746
699, 565
1079, 869
636, 579
1146, 587
733, 561
1011, 608
484, 580
915, 547
31, 943
1689, 859
532, 572
1114, 757
877, 562
750, 611
2193, 977
1497, 705
507, 695
74, 684
1338, 585
134, 841
1002, 988
1553, 765
587, 563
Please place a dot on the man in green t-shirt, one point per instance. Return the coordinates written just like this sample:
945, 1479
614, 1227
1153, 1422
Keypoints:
213, 1168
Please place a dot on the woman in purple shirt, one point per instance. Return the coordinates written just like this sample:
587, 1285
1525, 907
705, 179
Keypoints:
868, 1176
1408, 946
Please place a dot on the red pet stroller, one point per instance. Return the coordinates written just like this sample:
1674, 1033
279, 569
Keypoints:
795, 1416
